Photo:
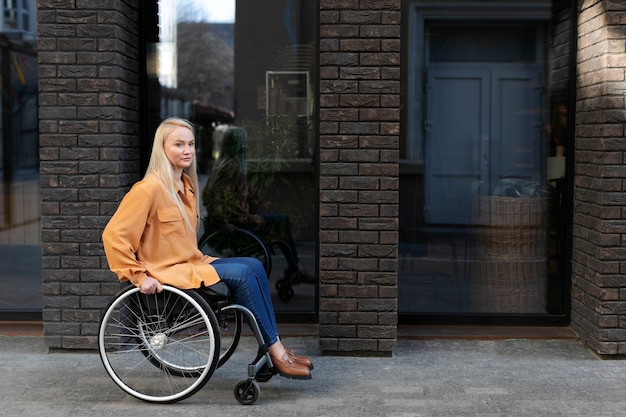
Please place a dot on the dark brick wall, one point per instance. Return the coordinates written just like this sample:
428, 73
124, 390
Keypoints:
359, 151
599, 258
88, 95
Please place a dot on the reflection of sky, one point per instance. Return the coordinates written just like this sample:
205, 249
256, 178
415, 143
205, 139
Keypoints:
214, 11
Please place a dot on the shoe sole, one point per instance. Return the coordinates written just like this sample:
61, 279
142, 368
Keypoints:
309, 376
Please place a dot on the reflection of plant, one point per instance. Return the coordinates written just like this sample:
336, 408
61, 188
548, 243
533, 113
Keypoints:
273, 142
274, 136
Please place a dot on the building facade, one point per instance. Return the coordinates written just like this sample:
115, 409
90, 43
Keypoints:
416, 140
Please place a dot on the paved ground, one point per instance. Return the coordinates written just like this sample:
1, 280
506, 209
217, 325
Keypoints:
496, 378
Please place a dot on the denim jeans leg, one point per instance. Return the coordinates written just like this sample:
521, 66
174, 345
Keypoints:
246, 278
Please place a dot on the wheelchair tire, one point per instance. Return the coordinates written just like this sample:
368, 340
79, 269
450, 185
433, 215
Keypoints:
159, 348
247, 391
236, 242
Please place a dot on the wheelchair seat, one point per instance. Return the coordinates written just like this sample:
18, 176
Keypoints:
216, 292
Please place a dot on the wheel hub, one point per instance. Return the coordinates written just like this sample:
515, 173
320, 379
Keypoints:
158, 341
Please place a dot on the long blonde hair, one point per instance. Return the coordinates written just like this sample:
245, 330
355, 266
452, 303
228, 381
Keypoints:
162, 167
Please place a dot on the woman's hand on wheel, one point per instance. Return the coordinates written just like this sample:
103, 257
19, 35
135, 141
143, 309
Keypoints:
150, 286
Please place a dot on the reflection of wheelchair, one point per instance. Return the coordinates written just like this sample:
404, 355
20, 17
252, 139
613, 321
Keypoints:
230, 241
164, 347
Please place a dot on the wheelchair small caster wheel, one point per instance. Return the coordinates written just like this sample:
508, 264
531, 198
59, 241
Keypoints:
285, 292
247, 391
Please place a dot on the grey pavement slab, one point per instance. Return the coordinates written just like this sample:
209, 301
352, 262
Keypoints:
430, 378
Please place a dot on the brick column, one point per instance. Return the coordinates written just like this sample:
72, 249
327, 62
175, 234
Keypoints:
88, 122
359, 151
599, 232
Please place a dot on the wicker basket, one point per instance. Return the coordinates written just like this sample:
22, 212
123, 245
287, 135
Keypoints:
509, 244
509, 287
510, 211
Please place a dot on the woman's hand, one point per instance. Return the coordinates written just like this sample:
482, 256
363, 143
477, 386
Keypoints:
150, 286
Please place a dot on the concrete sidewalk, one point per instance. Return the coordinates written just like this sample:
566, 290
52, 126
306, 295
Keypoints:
492, 378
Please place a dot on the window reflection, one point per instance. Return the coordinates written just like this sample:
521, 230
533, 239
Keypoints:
20, 250
483, 182
256, 74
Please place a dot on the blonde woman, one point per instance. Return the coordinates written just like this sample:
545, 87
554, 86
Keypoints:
151, 240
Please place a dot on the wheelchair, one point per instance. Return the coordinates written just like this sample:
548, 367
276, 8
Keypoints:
231, 241
164, 347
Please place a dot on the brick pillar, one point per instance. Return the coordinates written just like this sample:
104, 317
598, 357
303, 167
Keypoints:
88, 96
359, 151
599, 232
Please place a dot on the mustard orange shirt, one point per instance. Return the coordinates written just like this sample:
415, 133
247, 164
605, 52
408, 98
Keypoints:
148, 236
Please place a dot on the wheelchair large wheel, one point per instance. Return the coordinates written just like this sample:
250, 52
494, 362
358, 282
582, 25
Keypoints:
159, 348
236, 242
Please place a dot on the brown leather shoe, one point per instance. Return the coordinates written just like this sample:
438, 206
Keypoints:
288, 368
301, 360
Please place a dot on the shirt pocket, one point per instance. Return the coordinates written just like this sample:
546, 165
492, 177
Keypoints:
170, 221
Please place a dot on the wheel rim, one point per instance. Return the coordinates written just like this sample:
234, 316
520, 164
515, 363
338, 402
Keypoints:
162, 353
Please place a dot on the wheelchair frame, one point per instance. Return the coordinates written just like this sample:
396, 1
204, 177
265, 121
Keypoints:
164, 347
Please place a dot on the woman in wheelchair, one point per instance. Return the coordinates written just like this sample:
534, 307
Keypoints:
151, 240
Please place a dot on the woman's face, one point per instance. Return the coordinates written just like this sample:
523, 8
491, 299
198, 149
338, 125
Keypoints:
180, 147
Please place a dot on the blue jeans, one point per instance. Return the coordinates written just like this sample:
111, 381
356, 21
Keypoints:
246, 278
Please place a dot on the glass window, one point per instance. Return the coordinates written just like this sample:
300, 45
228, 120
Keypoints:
20, 245
483, 184
249, 65
16, 15
486, 43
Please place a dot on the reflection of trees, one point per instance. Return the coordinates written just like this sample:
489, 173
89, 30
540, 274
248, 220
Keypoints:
274, 169
205, 63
